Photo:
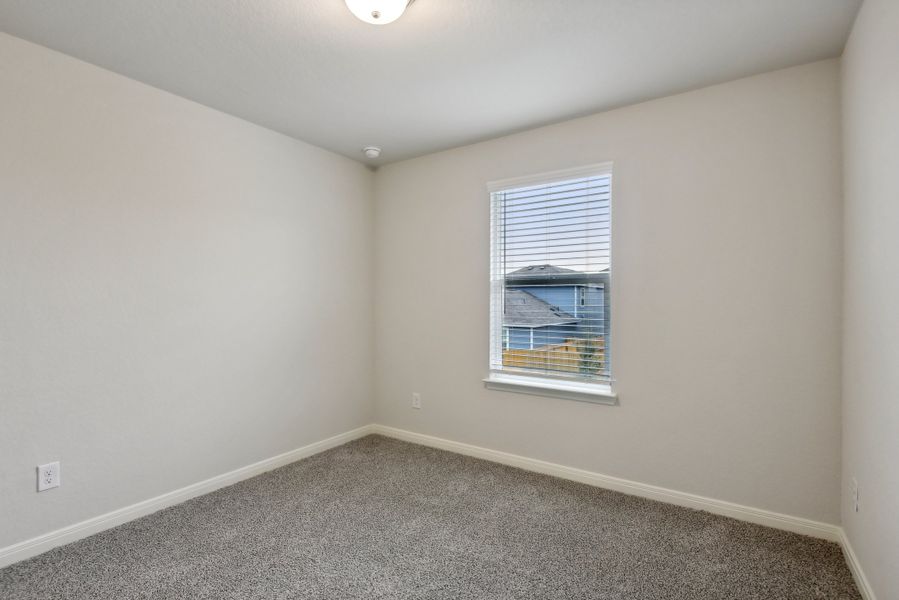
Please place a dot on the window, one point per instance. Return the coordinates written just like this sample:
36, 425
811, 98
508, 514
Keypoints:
550, 284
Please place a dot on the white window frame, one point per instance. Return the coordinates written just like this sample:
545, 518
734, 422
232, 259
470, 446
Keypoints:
597, 392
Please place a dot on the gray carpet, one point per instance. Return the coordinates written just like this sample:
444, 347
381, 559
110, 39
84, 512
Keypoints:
379, 518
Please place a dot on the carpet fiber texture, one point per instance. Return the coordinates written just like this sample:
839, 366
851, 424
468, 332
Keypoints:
380, 519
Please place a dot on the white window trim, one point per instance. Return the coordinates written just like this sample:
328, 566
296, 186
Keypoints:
581, 391
597, 393
597, 169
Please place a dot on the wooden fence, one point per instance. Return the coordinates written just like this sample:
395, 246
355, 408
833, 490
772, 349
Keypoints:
573, 356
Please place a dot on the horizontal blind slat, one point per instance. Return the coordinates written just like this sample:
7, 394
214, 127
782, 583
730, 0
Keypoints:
586, 205
514, 198
554, 222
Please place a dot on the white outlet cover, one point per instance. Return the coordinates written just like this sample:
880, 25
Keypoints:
416, 400
48, 476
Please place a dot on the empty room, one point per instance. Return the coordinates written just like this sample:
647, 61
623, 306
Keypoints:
449, 299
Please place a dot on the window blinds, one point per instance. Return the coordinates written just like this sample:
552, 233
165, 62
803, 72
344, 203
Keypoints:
550, 276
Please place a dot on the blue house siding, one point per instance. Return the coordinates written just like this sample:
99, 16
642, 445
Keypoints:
519, 338
592, 315
562, 296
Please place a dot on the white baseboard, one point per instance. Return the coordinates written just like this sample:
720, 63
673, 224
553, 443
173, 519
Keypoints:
855, 568
47, 541
719, 507
826, 531
834, 533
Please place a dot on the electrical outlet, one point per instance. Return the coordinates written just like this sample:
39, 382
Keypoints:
416, 400
48, 476
853, 493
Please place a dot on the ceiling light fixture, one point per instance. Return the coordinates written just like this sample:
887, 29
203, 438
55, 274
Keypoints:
378, 12
371, 152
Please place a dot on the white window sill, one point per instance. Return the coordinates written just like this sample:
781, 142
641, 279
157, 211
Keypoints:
597, 393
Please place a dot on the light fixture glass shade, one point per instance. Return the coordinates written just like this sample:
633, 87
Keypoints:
377, 12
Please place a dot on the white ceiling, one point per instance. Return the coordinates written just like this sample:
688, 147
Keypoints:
449, 72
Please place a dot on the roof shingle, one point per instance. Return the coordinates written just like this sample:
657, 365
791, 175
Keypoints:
526, 310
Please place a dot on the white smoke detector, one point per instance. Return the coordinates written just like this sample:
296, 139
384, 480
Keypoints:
371, 152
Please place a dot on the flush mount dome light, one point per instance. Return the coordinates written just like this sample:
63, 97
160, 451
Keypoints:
378, 12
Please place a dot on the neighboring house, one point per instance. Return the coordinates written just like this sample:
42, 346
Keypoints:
545, 304
531, 322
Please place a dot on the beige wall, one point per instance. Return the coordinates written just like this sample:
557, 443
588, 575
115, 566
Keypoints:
871, 356
726, 294
181, 292
178, 288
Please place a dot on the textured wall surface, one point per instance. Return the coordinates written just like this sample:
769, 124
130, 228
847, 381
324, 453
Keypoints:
725, 295
179, 291
870, 375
